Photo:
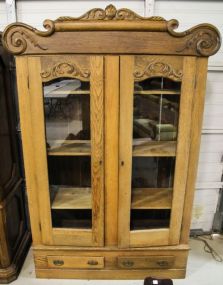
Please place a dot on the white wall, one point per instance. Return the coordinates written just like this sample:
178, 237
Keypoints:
189, 13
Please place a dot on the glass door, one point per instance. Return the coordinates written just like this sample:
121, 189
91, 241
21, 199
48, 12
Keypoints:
72, 102
155, 109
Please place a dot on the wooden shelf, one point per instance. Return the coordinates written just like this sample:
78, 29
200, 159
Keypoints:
71, 198
143, 147
70, 148
157, 92
151, 198
70, 92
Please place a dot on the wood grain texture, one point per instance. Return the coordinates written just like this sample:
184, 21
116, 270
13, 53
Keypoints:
97, 148
104, 274
143, 147
27, 140
111, 149
183, 148
144, 238
140, 262
75, 237
197, 116
151, 198
125, 148
80, 262
39, 147
5, 258
72, 198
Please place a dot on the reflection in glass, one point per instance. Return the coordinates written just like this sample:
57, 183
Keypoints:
156, 117
153, 172
157, 83
149, 219
156, 109
67, 112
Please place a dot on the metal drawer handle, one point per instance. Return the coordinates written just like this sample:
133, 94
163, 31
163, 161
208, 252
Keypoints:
163, 263
58, 262
128, 263
92, 262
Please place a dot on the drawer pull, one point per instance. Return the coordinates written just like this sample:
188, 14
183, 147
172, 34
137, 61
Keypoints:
92, 262
128, 263
163, 263
58, 262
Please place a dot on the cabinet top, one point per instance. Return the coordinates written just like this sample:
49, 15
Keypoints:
114, 31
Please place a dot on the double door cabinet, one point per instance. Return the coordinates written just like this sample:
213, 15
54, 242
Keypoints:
111, 111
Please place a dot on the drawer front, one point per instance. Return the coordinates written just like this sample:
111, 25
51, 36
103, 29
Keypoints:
79, 262
140, 262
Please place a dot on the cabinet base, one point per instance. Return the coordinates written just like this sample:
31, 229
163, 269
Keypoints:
110, 263
110, 274
11, 272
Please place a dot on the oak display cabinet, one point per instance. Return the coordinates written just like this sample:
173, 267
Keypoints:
111, 111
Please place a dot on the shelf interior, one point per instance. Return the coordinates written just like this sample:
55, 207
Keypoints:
71, 198
69, 147
151, 198
145, 147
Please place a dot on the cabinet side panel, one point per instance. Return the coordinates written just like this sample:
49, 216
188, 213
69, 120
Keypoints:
197, 118
111, 148
183, 148
27, 140
125, 149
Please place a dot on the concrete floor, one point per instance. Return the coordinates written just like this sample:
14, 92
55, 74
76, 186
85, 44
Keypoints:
202, 270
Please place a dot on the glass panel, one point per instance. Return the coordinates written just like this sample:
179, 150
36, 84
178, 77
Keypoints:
149, 219
155, 126
153, 172
67, 122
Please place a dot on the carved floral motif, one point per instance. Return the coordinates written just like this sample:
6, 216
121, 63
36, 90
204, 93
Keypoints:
110, 13
65, 69
157, 68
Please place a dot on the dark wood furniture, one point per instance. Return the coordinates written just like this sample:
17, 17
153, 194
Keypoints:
111, 112
14, 232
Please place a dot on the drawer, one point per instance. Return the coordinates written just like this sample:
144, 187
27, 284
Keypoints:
79, 262
141, 262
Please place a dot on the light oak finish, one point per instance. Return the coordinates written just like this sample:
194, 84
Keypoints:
70, 148
27, 140
140, 262
111, 148
197, 116
143, 147
125, 149
183, 148
151, 198
79, 262
97, 148
114, 50
72, 198
38, 144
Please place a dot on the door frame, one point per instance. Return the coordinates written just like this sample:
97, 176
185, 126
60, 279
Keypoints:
35, 157
171, 235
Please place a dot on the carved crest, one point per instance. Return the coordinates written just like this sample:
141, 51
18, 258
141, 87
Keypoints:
157, 69
110, 13
201, 40
65, 69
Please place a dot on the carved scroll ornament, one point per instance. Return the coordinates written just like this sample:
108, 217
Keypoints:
157, 69
65, 69
19, 38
